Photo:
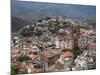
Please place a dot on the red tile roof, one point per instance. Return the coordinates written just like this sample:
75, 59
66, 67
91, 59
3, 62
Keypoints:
68, 54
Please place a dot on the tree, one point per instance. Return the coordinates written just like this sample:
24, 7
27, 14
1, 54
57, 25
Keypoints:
76, 51
68, 49
38, 32
23, 58
27, 32
14, 69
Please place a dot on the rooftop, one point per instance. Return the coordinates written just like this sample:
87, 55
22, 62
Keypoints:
50, 52
68, 54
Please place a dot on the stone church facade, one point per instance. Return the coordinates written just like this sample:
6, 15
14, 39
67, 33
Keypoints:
68, 38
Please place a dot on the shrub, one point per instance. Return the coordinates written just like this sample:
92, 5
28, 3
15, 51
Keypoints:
23, 58
38, 33
67, 49
76, 52
14, 69
27, 32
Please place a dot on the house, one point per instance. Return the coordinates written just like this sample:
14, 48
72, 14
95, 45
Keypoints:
22, 68
35, 49
67, 59
60, 19
50, 57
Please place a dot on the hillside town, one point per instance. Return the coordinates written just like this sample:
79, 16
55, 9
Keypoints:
53, 44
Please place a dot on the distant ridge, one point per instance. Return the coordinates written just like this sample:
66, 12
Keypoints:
33, 10
17, 23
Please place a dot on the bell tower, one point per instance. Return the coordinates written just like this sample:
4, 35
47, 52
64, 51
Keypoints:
76, 35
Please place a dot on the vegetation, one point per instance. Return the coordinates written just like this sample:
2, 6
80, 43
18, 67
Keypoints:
38, 32
55, 29
14, 69
76, 52
18, 23
27, 32
23, 58
68, 49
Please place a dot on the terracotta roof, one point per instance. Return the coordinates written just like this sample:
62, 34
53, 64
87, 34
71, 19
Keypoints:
68, 54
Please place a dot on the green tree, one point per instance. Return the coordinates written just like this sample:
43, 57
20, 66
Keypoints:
23, 58
27, 32
38, 32
68, 49
76, 52
14, 69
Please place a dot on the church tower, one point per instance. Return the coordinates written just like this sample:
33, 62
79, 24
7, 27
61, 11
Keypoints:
76, 35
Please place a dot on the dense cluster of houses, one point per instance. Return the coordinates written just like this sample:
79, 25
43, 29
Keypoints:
45, 51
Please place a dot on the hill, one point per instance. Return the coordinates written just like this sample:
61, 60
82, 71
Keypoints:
17, 23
